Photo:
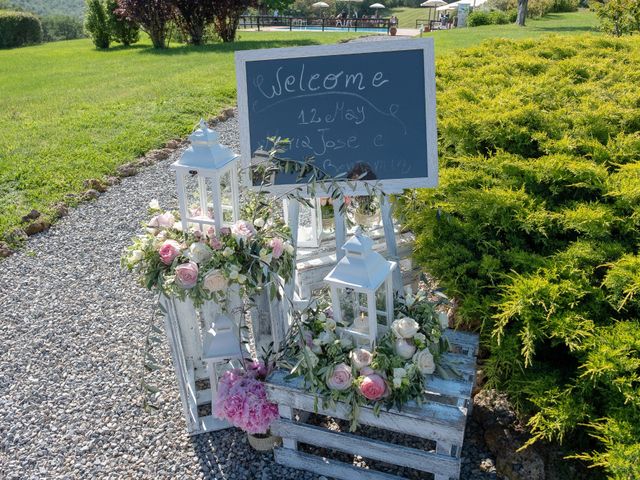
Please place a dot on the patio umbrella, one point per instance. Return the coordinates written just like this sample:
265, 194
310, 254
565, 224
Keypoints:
433, 3
320, 5
379, 5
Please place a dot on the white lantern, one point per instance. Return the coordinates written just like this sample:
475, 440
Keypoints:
220, 345
213, 199
362, 290
309, 223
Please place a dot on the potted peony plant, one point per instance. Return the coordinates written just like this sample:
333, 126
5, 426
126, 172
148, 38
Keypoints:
242, 401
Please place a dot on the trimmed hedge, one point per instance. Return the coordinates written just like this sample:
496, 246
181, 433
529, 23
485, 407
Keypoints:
535, 228
18, 29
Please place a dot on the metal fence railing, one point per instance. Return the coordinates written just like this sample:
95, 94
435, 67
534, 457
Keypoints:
312, 23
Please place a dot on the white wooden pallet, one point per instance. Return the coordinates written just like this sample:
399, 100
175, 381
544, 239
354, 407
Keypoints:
441, 418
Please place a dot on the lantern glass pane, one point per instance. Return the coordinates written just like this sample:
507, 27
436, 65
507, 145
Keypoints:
226, 196
348, 305
198, 197
381, 304
305, 225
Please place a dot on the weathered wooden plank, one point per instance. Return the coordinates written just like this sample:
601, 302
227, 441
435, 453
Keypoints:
466, 340
212, 424
203, 397
327, 467
449, 388
368, 448
431, 420
462, 363
286, 412
390, 237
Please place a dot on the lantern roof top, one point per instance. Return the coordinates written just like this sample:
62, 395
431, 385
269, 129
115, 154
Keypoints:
221, 341
361, 267
205, 151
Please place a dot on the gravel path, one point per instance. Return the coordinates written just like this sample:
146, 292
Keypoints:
71, 328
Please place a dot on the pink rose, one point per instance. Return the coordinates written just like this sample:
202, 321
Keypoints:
277, 246
225, 231
341, 377
373, 387
243, 230
215, 243
168, 251
187, 275
165, 220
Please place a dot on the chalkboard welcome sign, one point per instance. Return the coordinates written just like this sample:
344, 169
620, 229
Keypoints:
364, 110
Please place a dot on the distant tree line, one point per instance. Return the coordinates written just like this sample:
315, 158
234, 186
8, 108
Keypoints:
195, 20
19, 27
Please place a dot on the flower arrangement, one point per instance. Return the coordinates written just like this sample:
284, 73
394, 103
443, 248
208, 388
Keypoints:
242, 399
202, 265
390, 375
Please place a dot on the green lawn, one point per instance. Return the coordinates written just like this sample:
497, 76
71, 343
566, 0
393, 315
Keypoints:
69, 112
574, 23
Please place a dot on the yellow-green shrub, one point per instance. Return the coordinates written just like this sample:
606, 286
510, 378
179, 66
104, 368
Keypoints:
536, 228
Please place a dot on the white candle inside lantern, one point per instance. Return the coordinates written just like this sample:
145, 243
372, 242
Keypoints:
361, 325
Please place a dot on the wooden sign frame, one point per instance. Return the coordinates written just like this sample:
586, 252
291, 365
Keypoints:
388, 186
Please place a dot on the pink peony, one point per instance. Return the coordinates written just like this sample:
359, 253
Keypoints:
373, 387
257, 368
168, 251
277, 246
341, 377
243, 230
166, 220
187, 275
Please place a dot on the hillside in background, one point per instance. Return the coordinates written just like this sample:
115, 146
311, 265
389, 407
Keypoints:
74, 8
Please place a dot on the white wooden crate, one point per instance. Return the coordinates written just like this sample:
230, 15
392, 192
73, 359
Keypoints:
441, 419
185, 326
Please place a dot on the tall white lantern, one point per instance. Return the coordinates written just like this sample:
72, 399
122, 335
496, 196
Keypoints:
362, 290
207, 181
309, 222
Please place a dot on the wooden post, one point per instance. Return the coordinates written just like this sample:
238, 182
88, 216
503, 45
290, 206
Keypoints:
341, 230
390, 237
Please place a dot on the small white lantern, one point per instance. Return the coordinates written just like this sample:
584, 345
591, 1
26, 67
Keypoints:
362, 290
309, 223
214, 201
220, 345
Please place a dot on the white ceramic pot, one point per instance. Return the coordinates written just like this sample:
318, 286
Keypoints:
263, 443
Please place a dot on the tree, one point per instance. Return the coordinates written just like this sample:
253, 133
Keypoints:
61, 27
96, 24
522, 12
122, 29
227, 15
619, 16
192, 16
152, 15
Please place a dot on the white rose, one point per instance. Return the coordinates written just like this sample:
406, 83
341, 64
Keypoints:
154, 204
326, 338
265, 256
258, 222
200, 253
420, 337
215, 281
403, 348
322, 317
227, 252
399, 372
136, 256
360, 358
405, 327
242, 279
443, 317
330, 324
424, 362
288, 248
